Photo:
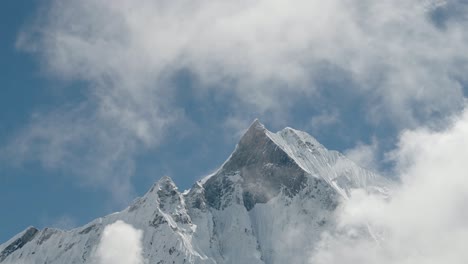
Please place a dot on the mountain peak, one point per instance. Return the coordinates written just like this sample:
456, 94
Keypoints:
256, 124
255, 129
264, 167
266, 163
166, 182
166, 187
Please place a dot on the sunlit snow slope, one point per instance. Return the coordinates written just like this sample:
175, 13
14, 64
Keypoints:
268, 203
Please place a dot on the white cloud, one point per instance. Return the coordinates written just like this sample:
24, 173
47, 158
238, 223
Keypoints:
263, 55
120, 244
271, 49
425, 219
365, 155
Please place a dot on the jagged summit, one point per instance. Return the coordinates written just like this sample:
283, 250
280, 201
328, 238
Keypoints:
242, 213
256, 131
284, 138
261, 165
167, 184
256, 125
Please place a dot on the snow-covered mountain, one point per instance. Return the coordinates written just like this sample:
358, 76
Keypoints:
268, 203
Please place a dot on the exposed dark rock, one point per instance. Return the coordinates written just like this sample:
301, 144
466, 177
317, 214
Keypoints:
167, 193
196, 197
88, 229
45, 235
218, 191
264, 167
157, 221
18, 243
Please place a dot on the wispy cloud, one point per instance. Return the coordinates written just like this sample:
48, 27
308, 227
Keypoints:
79, 143
366, 155
64, 222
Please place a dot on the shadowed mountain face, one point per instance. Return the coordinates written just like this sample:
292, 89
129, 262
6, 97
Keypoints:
265, 170
273, 185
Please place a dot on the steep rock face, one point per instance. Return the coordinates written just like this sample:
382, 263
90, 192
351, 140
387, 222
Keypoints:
268, 203
262, 166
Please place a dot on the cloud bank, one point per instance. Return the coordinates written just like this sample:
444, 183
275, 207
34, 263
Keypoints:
404, 60
425, 219
392, 50
120, 243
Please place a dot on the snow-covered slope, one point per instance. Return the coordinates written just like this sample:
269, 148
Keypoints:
268, 203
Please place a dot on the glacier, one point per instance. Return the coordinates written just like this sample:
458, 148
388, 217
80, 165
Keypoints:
269, 202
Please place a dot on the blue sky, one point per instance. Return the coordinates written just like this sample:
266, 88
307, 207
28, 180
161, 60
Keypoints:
98, 101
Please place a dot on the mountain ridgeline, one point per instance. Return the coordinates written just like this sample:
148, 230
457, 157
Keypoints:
268, 203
